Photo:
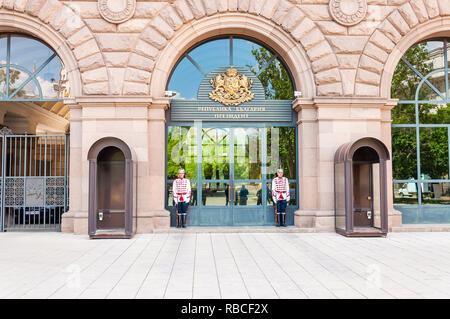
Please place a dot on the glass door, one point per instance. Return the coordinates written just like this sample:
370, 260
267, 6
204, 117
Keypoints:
247, 175
231, 170
216, 177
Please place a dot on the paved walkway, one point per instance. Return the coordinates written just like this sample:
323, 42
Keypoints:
225, 265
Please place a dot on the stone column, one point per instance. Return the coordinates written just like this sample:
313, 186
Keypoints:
305, 217
154, 215
394, 216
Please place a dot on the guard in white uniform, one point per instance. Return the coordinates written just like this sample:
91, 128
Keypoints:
181, 192
281, 195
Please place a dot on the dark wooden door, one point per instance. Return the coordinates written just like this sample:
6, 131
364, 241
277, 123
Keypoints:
362, 195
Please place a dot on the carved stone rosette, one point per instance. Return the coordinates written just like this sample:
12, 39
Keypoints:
116, 11
348, 12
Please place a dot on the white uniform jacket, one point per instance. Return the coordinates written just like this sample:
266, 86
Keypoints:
181, 190
280, 189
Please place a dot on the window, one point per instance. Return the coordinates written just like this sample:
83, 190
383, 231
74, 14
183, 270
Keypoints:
233, 51
420, 133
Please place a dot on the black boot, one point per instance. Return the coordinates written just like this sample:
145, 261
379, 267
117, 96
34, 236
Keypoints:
283, 220
278, 220
183, 218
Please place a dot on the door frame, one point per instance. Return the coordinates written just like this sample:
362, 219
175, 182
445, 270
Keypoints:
267, 211
92, 157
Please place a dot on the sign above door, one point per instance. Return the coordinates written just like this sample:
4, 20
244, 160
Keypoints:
231, 93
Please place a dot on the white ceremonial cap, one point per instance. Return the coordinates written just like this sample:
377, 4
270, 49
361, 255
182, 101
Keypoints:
280, 170
181, 171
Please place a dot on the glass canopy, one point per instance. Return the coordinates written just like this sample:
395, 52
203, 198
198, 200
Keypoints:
196, 63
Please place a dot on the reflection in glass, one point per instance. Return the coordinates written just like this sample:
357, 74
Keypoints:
29, 57
49, 75
211, 55
182, 151
21, 47
268, 194
404, 155
405, 193
436, 193
16, 78
215, 153
434, 113
247, 153
405, 81
215, 194
376, 195
281, 151
247, 194
171, 202
434, 153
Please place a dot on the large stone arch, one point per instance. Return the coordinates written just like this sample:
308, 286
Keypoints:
281, 24
411, 22
62, 29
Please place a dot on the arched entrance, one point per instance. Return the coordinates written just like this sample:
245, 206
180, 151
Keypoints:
110, 189
230, 126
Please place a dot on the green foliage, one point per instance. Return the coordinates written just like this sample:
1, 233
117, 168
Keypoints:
181, 152
404, 156
405, 80
275, 78
434, 152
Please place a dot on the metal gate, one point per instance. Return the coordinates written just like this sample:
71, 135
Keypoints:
34, 181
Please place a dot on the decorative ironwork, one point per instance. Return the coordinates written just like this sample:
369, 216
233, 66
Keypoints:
231, 88
6, 131
14, 191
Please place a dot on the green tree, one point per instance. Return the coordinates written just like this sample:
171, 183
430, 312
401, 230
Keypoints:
278, 86
13, 77
275, 78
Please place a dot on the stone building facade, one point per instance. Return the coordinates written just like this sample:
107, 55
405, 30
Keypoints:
119, 58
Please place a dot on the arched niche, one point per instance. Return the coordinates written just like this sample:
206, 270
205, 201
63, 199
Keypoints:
110, 189
360, 188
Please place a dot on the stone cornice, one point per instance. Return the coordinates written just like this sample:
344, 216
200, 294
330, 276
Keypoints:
128, 101
343, 102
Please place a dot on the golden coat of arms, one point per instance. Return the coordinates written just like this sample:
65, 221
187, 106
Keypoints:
231, 88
